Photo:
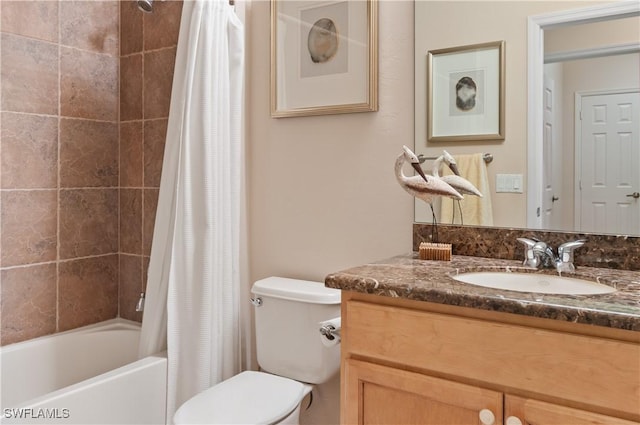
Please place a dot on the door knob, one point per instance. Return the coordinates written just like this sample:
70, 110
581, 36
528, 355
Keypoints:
635, 195
554, 198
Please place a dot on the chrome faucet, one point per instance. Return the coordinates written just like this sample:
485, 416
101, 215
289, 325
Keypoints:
140, 304
539, 254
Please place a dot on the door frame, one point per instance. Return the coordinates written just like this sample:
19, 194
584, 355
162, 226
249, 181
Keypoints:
577, 145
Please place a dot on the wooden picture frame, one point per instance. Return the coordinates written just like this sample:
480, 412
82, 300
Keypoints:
324, 57
465, 93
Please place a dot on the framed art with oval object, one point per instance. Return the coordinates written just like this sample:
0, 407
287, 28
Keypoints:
465, 93
324, 57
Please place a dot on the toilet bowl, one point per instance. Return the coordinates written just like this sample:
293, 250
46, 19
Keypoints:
290, 352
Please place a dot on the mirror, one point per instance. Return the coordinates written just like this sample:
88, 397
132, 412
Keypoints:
521, 154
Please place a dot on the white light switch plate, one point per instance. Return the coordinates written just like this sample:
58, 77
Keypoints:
511, 183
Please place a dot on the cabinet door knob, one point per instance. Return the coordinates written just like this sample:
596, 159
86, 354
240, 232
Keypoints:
513, 420
487, 417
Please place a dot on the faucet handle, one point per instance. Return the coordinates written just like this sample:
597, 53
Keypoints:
565, 251
528, 242
530, 258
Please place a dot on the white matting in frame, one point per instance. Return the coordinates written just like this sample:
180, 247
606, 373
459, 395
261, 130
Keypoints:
322, 55
466, 93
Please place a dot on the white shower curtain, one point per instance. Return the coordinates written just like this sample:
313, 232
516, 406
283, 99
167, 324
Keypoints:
192, 302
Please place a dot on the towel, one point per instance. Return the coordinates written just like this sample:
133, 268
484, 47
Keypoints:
475, 210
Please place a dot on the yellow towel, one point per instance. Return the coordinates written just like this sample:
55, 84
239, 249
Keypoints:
475, 210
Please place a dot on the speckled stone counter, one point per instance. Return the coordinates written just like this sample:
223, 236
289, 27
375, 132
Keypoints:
407, 276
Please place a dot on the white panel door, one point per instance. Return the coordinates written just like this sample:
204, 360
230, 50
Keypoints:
610, 163
551, 158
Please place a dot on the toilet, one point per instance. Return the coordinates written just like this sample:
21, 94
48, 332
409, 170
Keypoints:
291, 355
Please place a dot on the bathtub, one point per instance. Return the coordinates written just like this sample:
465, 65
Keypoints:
89, 375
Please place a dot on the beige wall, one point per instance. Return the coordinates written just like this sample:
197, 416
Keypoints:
606, 33
323, 195
322, 191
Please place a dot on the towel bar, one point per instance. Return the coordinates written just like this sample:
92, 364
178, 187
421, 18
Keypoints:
487, 157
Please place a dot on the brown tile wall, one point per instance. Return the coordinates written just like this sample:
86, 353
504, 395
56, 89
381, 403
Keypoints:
148, 49
84, 99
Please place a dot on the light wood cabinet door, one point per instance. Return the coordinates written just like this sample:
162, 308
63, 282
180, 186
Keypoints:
533, 412
502, 354
378, 394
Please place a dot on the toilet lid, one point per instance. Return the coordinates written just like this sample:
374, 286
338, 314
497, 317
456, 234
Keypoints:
247, 398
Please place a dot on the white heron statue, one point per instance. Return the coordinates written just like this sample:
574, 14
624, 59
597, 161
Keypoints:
456, 181
423, 187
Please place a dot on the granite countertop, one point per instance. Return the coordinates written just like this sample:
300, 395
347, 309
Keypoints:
407, 276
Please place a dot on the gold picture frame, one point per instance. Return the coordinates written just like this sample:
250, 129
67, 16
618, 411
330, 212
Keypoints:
466, 93
324, 57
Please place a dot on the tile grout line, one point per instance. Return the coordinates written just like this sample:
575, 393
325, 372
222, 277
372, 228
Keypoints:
159, 49
119, 150
56, 262
142, 158
59, 115
42, 189
59, 179
59, 44
1, 113
129, 254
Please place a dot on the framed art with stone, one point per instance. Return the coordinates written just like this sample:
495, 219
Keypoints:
323, 57
465, 93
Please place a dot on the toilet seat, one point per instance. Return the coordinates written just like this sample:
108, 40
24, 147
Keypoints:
247, 398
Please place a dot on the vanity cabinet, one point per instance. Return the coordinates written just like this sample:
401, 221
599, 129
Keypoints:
408, 362
528, 411
387, 395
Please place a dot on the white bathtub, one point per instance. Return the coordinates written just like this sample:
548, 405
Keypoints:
88, 375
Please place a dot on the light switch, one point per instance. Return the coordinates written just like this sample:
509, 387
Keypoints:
509, 183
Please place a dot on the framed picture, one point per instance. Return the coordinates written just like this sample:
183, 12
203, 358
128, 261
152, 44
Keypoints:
465, 93
324, 57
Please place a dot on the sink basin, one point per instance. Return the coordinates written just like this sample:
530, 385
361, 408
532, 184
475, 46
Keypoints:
534, 282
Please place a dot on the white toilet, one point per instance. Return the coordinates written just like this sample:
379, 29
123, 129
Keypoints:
290, 352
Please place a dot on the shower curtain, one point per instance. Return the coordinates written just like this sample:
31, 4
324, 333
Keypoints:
194, 281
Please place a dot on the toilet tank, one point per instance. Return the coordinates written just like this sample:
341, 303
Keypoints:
288, 340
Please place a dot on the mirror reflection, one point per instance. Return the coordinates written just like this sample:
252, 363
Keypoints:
589, 168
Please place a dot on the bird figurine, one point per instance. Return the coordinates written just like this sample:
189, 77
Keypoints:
423, 187
456, 181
